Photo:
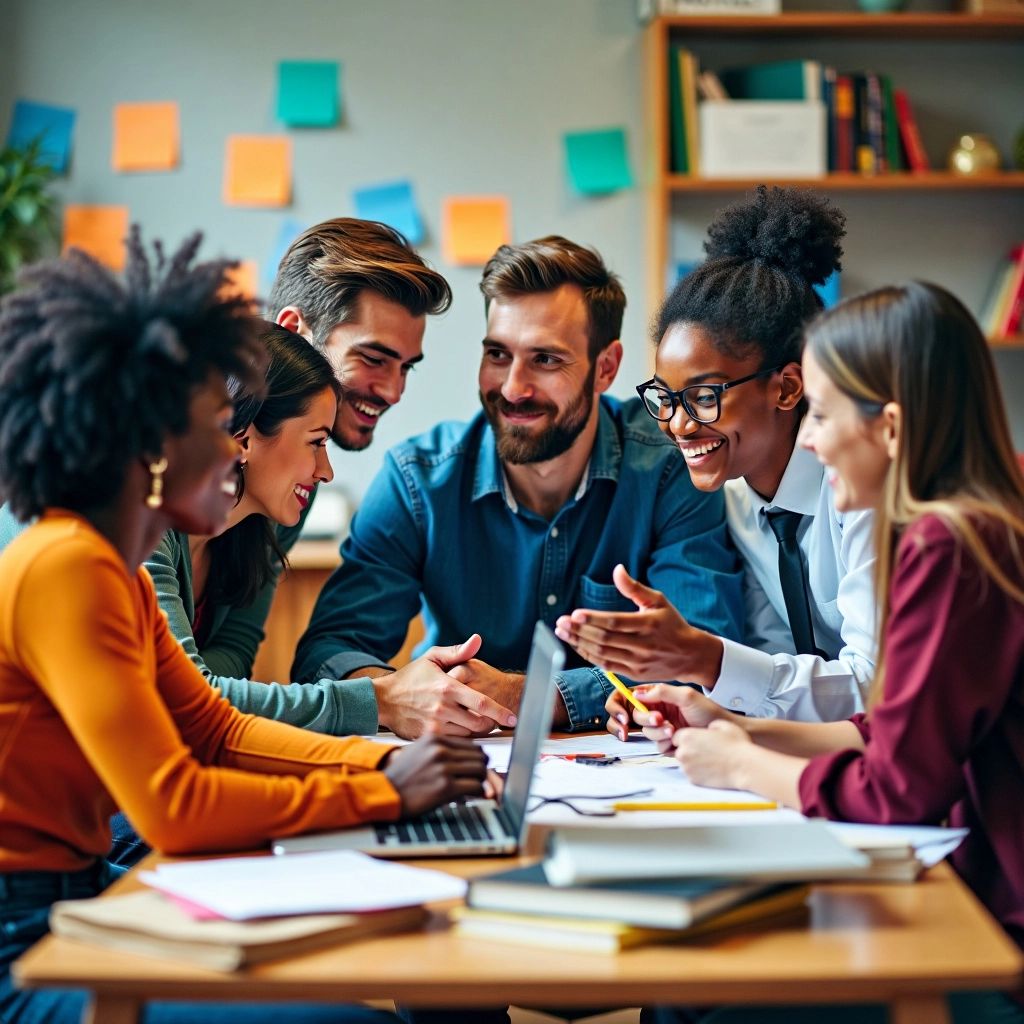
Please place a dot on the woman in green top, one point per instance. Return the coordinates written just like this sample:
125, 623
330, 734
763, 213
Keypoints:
217, 591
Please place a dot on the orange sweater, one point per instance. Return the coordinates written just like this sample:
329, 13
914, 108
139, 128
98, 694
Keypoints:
100, 709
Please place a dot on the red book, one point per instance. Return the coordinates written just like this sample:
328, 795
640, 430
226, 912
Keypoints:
917, 158
1010, 323
844, 110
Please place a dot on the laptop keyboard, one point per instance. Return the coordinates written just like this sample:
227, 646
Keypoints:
452, 823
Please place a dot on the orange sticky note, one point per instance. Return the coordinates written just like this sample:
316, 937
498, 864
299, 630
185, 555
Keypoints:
146, 137
473, 227
99, 230
242, 280
258, 170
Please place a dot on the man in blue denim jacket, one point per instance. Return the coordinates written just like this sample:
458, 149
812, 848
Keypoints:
522, 513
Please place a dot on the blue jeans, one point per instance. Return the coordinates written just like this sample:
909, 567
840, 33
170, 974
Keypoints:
25, 900
126, 845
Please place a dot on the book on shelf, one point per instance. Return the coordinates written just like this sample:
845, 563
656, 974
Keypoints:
775, 852
777, 80
595, 935
1008, 315
890, 128
152, 924
845, 110
710, 87
910, 136
653, 903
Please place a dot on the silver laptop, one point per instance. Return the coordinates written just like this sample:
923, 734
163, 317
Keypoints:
476, 826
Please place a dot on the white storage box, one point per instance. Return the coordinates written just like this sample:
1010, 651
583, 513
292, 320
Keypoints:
762, 139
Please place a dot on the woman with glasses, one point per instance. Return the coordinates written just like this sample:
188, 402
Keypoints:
728, 391
943, 738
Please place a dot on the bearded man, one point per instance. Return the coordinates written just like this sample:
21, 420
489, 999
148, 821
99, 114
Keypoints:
522, 513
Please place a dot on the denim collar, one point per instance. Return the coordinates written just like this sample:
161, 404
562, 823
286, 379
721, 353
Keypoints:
605, 460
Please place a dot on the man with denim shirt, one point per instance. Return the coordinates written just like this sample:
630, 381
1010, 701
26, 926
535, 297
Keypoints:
524, 512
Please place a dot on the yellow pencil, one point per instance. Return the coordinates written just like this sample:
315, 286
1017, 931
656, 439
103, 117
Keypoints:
698, 805
625, 691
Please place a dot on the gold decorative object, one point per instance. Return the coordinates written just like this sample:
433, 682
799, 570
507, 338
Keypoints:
974, 154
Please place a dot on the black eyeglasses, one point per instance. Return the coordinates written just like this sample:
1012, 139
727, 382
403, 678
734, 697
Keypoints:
590, 811
702, 402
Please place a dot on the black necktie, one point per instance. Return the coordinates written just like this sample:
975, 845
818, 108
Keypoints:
793, 576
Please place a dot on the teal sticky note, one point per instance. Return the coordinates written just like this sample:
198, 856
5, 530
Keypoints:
307, 93
51, 125
598, 161
828, 291
393, 204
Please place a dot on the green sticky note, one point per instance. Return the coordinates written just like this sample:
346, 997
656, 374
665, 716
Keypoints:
598, 161
307, 93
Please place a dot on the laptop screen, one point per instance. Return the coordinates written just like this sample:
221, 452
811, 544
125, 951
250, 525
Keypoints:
536, 710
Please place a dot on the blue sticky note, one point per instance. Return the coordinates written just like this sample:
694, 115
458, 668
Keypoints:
290, 230
394, 205
52, 124
828, 291
598, 161
307, 93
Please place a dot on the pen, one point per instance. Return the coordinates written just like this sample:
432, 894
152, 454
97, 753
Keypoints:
625, 690
575, 756
698, 805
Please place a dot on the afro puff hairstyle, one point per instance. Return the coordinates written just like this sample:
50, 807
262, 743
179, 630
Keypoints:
753, 293
95, 372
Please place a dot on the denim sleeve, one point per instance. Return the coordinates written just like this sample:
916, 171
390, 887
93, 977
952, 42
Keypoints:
584, 691
693, 562
327, 705
362, 615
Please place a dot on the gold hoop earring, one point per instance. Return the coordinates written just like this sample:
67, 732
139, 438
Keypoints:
155, 498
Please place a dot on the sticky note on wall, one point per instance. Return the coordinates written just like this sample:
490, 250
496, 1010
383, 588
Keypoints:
307, 93
473, 227
146, 137
98, 230
53, 125
258, 170
393, 204
289, 230
598, 161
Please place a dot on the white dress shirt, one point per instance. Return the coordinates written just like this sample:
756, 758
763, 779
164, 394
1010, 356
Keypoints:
766, 678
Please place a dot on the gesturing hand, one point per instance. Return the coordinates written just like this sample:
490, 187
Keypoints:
654, 643
435, 770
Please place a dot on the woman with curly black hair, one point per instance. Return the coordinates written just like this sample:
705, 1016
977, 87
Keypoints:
728, 391
115, 426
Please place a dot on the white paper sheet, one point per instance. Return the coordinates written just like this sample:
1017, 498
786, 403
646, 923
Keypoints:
241, 888
499, 748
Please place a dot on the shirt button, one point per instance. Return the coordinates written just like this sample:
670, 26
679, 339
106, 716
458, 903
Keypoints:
554, 532
551, 599
736, 702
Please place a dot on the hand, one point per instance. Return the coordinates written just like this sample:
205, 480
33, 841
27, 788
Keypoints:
653, 643
435, 770
668, 708
504, 687
423, 692
714, 756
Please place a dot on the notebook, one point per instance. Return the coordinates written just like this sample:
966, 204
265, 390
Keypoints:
476, 827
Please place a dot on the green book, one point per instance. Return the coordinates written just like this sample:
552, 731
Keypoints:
677, 120
890, 128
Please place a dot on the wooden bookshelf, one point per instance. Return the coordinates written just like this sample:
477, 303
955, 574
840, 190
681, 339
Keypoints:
664, 187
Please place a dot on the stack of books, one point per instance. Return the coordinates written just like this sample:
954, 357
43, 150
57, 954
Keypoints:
521, 906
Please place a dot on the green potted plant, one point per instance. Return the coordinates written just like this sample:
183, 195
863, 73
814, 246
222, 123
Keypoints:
28, 210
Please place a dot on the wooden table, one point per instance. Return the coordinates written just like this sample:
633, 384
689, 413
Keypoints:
907, 945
